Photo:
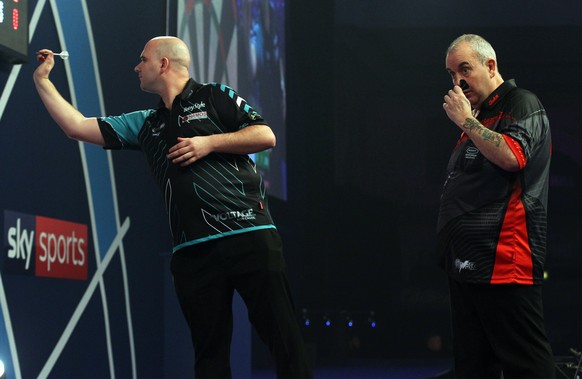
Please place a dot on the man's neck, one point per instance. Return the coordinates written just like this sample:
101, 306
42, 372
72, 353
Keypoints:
172, 91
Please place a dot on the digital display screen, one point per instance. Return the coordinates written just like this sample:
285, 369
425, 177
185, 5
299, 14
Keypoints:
13, 31
242, 44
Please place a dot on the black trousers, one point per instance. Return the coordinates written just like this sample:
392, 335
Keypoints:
205, 278
499, 329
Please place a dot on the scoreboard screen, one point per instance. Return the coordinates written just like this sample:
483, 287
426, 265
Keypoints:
13, 31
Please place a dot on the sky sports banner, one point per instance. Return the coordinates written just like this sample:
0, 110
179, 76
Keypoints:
44, 247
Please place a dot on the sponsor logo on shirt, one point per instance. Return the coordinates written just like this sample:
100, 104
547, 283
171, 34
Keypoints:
494, 99
466, 265
471, 152
44, 247
194, 116
197, 106
195, 112
245, 215
156, 130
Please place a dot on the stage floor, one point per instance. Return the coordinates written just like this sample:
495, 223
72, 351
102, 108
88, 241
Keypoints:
374, 369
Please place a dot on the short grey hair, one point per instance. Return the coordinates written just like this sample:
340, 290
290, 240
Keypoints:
479, 45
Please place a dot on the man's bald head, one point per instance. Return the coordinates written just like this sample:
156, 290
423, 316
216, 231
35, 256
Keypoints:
172, 48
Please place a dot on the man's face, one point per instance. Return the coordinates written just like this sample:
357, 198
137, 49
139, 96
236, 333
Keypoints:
463, 64
148, 69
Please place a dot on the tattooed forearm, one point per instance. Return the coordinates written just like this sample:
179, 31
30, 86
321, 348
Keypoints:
471, 124
487, 135
490, 136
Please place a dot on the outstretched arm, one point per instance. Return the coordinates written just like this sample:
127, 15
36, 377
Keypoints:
248, 140
71, 121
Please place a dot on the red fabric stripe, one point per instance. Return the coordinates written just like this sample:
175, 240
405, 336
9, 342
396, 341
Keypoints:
516, 149
462, 138
513, 259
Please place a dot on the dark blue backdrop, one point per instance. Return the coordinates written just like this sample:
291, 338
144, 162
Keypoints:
367, 142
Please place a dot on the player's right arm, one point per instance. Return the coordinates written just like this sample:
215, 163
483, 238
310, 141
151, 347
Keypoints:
72, 122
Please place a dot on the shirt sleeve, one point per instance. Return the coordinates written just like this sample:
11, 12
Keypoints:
515, 147
528, 127
234, 112
122, 132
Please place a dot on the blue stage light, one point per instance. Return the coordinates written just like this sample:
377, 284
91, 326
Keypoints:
305, 316
372, 319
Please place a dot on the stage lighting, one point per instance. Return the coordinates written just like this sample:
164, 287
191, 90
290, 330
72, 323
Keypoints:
372, 319
349, 321
305, 317
2, 370
326, 320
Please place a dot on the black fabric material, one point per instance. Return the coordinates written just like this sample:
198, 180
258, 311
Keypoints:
499, 329
205, 278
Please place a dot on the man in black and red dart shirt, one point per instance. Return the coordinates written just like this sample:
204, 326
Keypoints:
492, 219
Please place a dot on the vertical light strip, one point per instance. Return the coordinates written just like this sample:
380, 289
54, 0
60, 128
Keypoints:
75, 33
72, 28
125, 281
113, 190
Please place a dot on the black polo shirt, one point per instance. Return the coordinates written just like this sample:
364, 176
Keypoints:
219, 195
492, 223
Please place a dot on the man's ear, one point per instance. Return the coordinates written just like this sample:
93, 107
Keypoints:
491, 67
164, 64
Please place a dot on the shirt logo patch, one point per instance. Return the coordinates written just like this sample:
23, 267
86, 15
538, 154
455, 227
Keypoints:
471, 152
194, 116
466, 265
244, 215
157, 129
197, 106
494, 99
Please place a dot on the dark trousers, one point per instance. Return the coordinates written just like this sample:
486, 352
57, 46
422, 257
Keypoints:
499, 329
205, 278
